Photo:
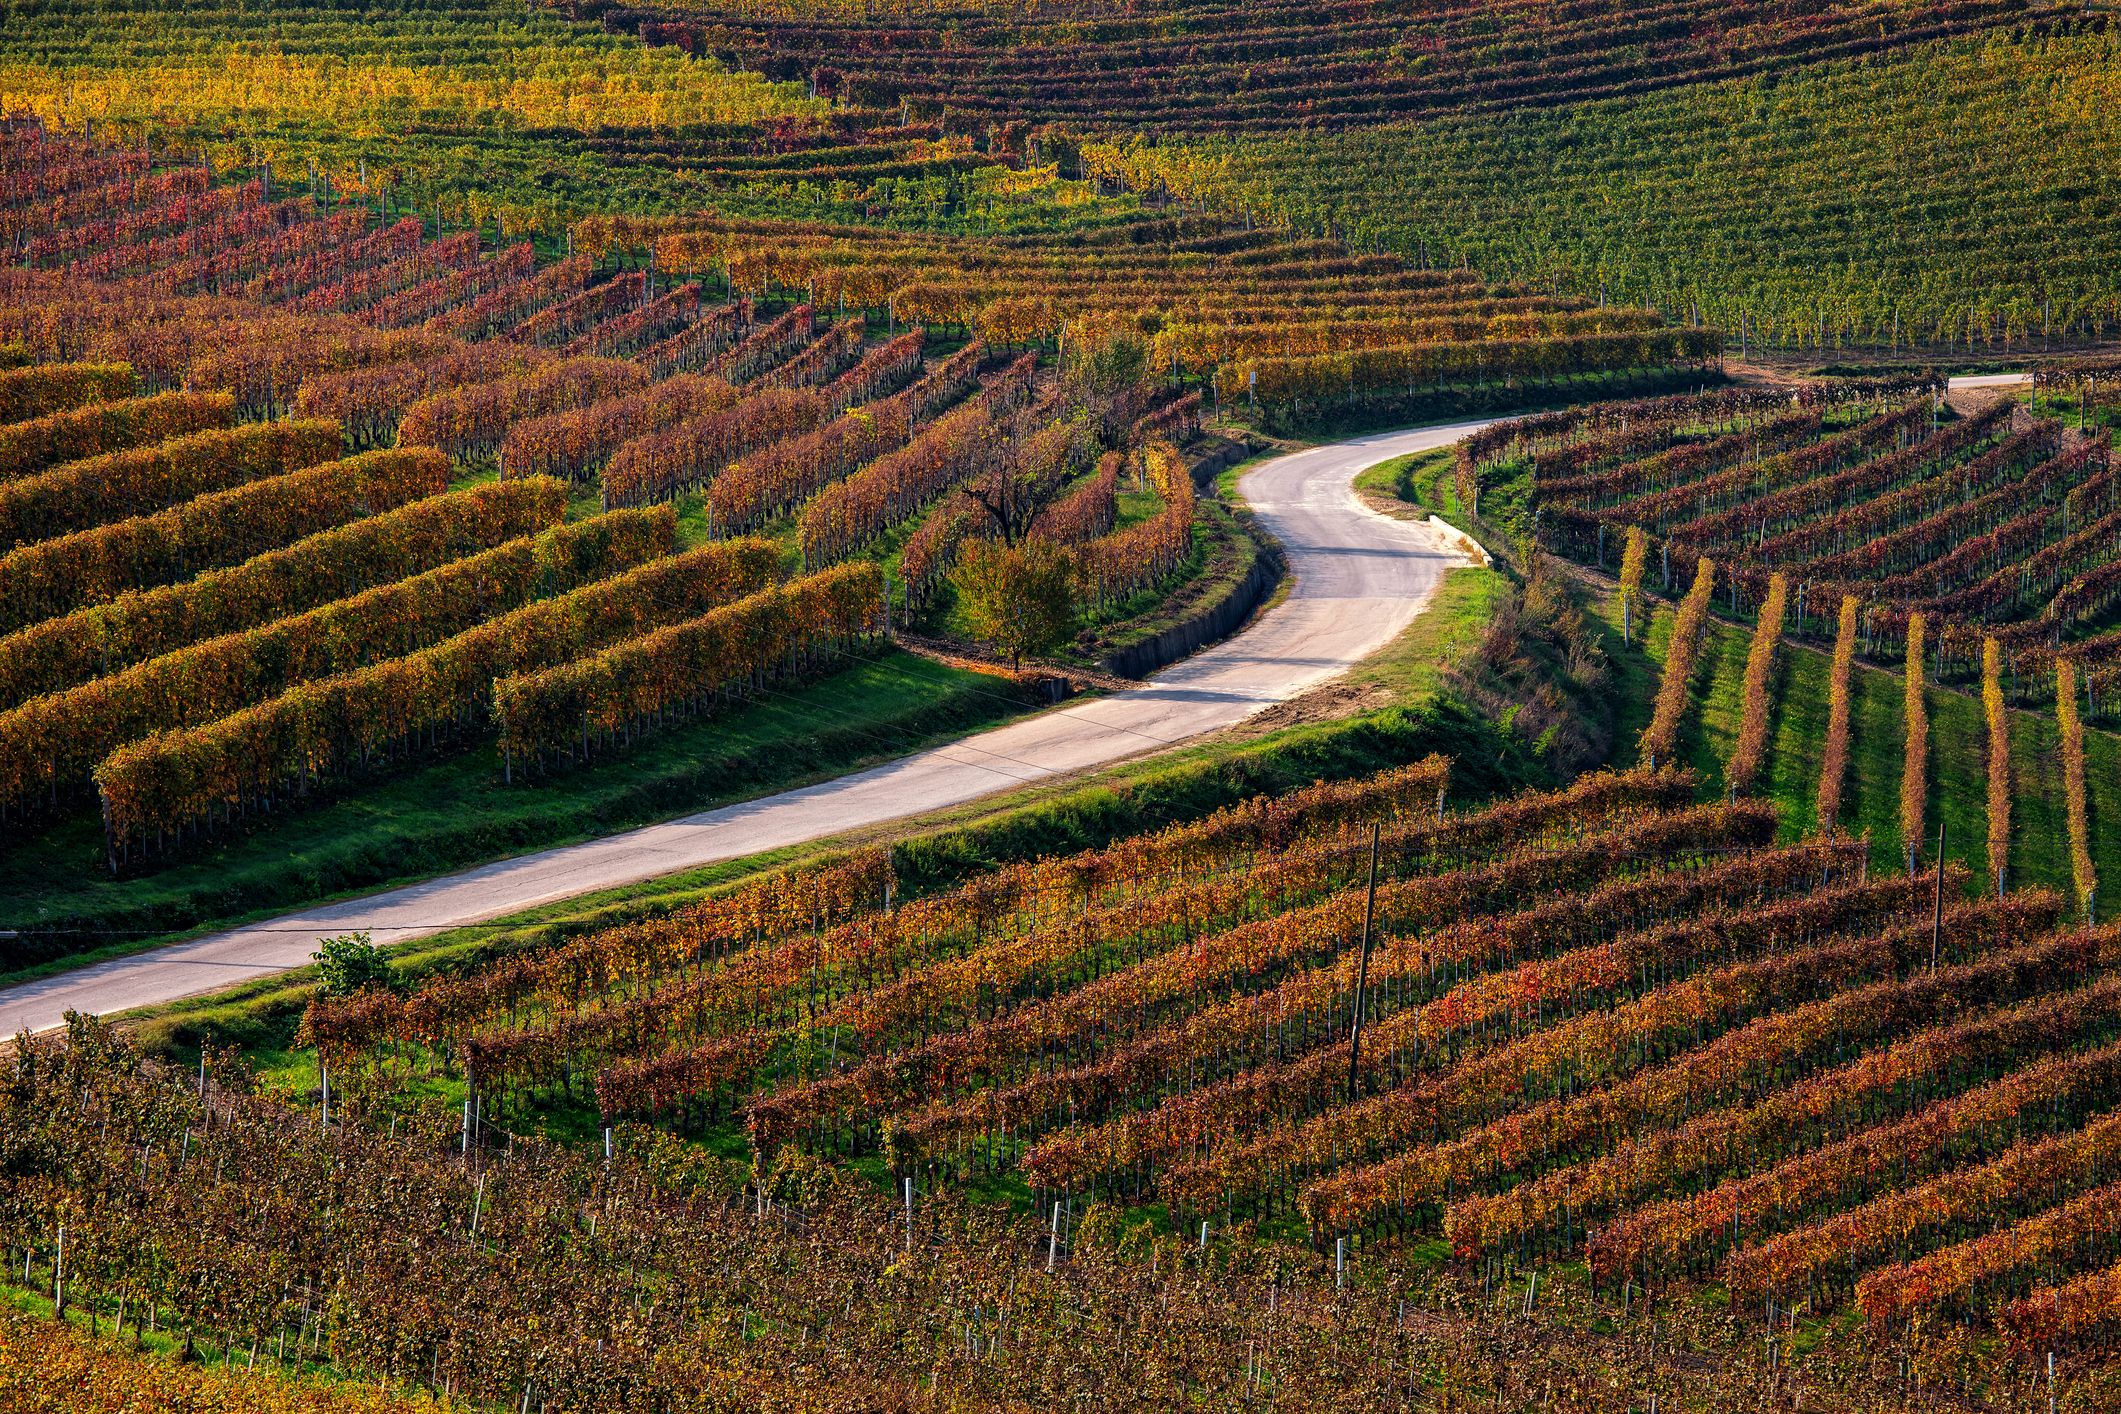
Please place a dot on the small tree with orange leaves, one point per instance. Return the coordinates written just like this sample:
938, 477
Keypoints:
1999, 763
1759, 668
2080, 852
1914, 766
1833, 770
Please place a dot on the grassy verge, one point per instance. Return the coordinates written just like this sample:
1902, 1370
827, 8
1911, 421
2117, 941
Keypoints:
1412, 666
1421, 479
454, 813
1427, 483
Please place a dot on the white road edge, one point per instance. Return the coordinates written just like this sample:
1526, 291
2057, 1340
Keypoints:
1359, 578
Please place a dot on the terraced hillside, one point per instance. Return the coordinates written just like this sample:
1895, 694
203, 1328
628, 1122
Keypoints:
1949, 195
1603, 1024
497, 110
308, 503
1208, 65
430, 434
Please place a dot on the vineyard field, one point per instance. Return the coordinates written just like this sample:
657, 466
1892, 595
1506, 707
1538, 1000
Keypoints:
1968, 551
1194, 65
146, 713
1556, 978
502, 107
890, 399
1541, 149
1803, 209
197, 714
1955, 789
764, 1302
1996, 528
918, 706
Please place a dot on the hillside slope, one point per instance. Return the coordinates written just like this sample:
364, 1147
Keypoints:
1947, 194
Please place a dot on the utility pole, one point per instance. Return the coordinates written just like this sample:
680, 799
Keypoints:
1362, 971
1937, 918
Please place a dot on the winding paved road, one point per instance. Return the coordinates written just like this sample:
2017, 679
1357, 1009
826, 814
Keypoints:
1359, 579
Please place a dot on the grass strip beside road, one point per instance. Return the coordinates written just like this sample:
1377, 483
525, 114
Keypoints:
936, 851
441, 816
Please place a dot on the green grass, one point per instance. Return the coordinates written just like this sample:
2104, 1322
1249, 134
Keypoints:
453, 813
1134, 506
1958, 780
1427, 482
1421, 479
1412, 666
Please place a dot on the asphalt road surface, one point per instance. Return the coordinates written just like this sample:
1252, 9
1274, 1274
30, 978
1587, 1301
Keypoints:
1359, 579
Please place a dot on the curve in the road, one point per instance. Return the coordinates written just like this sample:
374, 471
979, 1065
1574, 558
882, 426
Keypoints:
1359, 579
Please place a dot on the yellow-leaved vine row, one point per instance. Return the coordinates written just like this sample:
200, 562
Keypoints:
183, 780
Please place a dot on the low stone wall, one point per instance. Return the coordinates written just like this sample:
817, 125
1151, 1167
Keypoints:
1216, 457
1211, 624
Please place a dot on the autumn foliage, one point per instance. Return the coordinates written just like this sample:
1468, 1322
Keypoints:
682, 669
136, 625
1997, 717
1634, 557
1834, 759
2076, 802
1755, 708
38, 443
201, 775
1915, 761
222, 528
1660, 739
53, 742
